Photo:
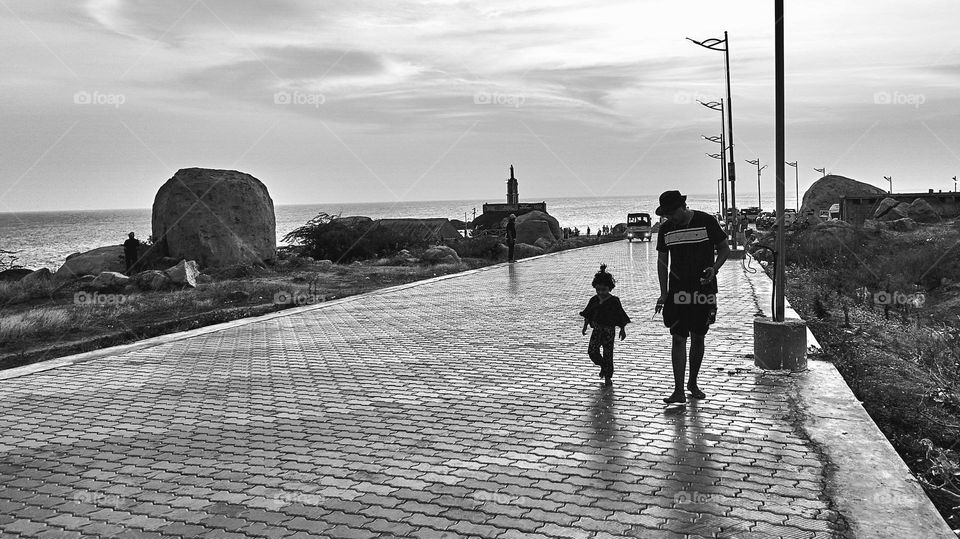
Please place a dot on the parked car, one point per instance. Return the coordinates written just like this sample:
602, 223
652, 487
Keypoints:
751, 213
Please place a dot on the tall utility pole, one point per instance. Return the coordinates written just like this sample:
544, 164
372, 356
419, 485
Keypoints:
889, 179
779, 275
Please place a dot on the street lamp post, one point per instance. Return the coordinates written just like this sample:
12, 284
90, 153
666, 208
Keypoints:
796, 170
724, 45
954, 184
759, 169
719, 106
889, 179
723, 175
720, 198
822, 171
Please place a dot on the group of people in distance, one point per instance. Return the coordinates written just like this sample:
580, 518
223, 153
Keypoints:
691, 249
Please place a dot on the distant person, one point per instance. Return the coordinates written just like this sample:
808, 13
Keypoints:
604, 313
511, 236
576, 231
686, 243
588, 231
130, 251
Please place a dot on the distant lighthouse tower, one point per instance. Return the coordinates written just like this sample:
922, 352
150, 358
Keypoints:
513, 194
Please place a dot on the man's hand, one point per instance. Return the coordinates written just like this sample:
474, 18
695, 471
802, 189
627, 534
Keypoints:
584, 332
708, 275
623, 333
660, 301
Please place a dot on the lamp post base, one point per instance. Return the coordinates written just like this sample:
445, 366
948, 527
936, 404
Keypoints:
780, 345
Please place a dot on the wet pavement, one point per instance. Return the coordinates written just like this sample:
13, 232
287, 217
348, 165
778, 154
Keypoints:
459, 407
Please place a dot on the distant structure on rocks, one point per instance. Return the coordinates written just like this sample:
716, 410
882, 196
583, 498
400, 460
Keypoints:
494, 213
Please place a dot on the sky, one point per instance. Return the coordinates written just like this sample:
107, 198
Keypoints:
375, 101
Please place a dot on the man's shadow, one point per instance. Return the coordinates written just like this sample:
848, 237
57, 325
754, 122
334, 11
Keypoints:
513, 281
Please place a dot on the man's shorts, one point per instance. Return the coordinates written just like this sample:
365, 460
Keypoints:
689, 312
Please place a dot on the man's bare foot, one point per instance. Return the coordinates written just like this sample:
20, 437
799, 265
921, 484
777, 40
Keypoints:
675, 398
696, 393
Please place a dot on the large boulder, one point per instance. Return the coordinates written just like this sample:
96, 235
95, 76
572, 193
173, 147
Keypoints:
440, 254
14, 274
543, 243
93, 262
109, 280
537, 224
216, 217
619, 229
894, 213
922, 212
831, 236
885, 205
827, 191
151, 280
39, 276
183, 274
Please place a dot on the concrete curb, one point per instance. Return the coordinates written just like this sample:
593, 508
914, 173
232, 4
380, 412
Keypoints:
56, 363
869, 483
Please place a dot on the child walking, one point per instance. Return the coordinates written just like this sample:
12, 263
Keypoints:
604, 314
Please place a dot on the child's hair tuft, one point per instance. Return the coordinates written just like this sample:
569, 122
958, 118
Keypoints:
604, 278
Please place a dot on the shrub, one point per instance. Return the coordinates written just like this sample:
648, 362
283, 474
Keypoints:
479, 247
327, 237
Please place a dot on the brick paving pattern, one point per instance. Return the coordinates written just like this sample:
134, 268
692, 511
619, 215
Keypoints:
462, 407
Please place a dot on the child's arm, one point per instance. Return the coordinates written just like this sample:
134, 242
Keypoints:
585, 323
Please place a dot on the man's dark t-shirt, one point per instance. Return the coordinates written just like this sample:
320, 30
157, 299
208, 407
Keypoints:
511, 231
130, 248
691, 249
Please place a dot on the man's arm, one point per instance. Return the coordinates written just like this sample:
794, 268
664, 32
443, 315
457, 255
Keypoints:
723, 251
663, 269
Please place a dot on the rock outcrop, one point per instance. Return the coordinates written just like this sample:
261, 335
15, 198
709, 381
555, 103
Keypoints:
525, 250
216, 217
827, 191
14, 274
440, 254
109, 281
922, 212
151, 280
537, 224
38, 276
183, 274
93, 262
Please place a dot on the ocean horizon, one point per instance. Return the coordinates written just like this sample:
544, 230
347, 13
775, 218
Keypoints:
44, 238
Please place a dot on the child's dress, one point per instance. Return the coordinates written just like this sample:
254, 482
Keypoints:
604, 317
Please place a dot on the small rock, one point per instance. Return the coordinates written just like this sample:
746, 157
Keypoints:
185, 273
109, 280
325, 265
440, 254
902, 225
204, 278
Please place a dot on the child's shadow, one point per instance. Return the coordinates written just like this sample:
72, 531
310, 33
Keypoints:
603, 415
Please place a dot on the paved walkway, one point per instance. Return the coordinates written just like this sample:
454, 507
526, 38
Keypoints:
460, 407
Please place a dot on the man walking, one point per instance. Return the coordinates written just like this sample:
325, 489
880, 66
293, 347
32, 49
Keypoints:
688, 298
511, 236
130, 251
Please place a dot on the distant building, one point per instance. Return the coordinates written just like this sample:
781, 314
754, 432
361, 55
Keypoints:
494, 213
856, 210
